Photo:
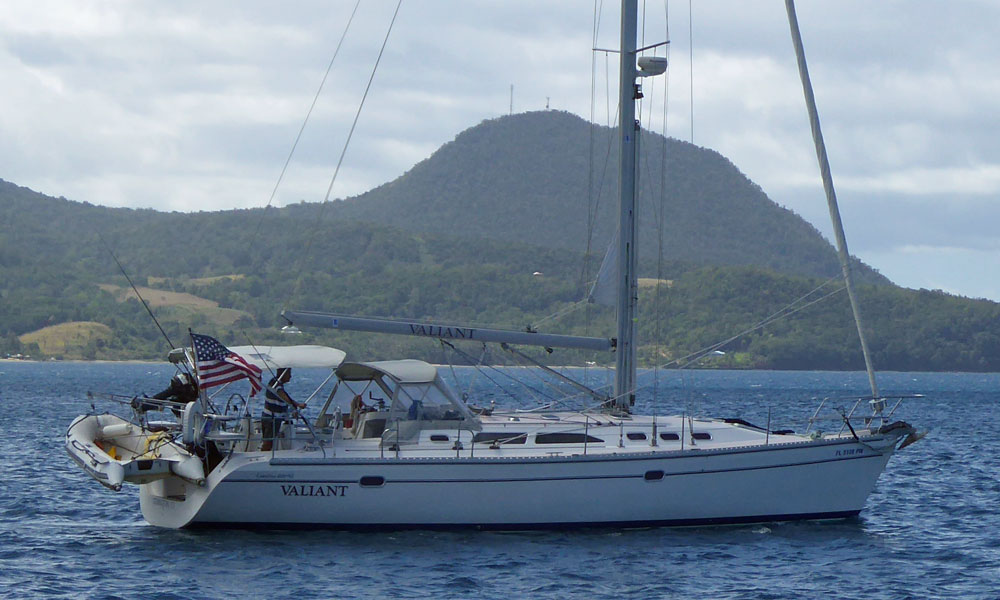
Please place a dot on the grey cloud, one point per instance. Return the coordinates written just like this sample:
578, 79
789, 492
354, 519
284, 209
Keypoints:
203, 100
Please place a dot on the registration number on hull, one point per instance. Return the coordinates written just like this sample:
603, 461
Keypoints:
851, 452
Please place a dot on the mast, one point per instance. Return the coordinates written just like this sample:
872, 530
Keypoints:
628, 130
831, 194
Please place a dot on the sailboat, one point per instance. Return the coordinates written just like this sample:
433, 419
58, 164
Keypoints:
394, 446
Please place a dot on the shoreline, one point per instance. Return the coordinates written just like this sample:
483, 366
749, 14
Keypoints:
444, 366
79, 360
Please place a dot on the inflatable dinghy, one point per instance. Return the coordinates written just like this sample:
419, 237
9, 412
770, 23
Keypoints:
113, 450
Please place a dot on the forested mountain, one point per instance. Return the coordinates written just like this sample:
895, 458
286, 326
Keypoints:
529, 178
465, 253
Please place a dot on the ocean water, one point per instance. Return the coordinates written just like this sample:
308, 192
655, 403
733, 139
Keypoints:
931, 529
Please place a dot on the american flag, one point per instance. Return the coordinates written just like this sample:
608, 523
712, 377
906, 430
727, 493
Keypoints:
218, 365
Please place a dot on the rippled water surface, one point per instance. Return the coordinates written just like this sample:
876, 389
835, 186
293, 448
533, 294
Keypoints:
931, 529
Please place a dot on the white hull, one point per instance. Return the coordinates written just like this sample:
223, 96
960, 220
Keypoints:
431, 465
819, 479
393, 446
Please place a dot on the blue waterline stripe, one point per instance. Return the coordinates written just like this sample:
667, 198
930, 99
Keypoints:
538, 526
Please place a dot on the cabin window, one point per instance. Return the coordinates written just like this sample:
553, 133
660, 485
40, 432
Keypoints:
701, 435
437, 437
372, 481
423, 402
418, 400
566, 438
635, 435
500, 437
669, 437
372, 427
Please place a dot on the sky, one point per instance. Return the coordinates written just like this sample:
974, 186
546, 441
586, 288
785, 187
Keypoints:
188, 106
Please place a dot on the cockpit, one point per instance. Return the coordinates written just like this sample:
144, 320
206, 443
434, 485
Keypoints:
393, 400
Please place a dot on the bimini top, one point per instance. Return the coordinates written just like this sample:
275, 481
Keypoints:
276, 357
403, 371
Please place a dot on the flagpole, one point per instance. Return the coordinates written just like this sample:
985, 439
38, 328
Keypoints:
202, 396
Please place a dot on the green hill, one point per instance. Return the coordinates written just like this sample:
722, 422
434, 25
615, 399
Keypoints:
459, 239
529, 179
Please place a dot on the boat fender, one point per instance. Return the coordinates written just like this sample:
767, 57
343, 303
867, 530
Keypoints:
116, 430
192, 423
914, 437
894, 426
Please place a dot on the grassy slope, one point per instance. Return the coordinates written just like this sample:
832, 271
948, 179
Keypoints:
68, 340
180, 306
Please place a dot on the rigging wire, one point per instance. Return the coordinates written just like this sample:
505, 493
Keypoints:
694, 357
831, 195
585, 272
782, 313
136, 290
643, 35
788, 310
451, 366
592, 217
644, 187
594, 199
601, 181
142, 301
306, 120
607, 89
592, 202
661, 216
561, 313
492, 367
691, 61
343, 153
270, 199
534, 372
688, 360
364, 97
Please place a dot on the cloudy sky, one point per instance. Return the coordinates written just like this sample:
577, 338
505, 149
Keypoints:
189, 105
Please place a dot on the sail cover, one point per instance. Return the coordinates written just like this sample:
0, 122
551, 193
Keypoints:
276, 357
